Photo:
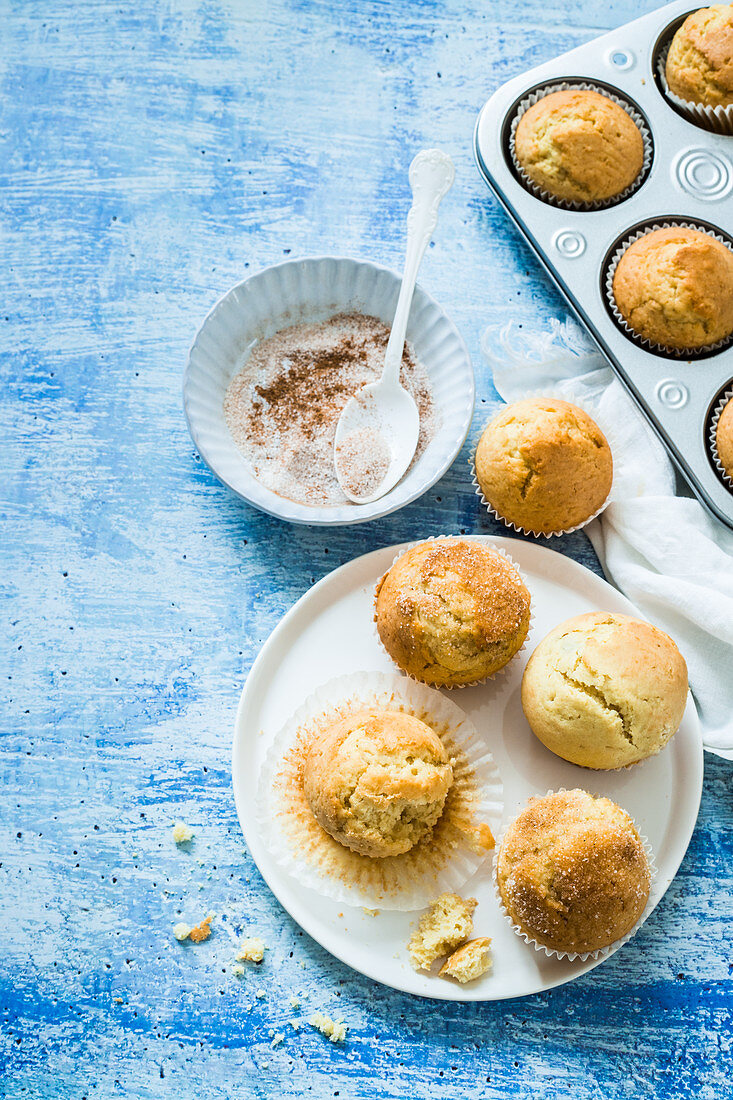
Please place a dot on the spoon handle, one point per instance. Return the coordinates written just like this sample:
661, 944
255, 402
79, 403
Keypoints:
431, 177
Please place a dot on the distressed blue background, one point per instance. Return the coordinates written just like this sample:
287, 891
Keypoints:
151, 154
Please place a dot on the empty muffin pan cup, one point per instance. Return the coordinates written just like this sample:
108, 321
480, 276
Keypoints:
659, 349
718, 120
562, 86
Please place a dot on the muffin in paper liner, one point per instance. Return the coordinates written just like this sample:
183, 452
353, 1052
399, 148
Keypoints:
441, 862
650, 345
584, 86
717, 119
473, 683
590, 411
723, 400
572, 956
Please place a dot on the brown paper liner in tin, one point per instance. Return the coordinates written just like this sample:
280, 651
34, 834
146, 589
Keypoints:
673, 353
572, 956
471, 683
607, 430
567, 204
443, 861
725, 477
717, 119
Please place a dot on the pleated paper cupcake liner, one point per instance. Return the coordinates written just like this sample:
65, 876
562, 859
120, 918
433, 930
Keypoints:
572, 956
718, 119
712, 437
607, 431
472, 683
442, 862
566, 204
673, 353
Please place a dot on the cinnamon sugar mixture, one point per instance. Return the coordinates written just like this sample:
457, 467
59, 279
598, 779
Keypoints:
283, 406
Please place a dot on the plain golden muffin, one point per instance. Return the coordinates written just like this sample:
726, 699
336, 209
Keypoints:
377, 781
572, 872
579, 146
724, 438
452, 611
605, 690
544, 465
674, 287
699, 64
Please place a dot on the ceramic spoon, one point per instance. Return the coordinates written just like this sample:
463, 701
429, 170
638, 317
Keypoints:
378, 430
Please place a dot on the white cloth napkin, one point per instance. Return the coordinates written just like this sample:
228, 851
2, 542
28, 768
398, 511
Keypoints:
672, 560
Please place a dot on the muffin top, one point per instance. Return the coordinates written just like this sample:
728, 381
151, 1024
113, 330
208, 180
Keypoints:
724, 438
579, 145
605, 690
674, 287
452, 611
700, 60
572, 871
377, 781
544, 465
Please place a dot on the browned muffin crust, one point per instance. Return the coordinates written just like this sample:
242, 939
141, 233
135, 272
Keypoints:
724, 438
572, 872
674, 287
452, 611
699, 64
544, 465
579, 146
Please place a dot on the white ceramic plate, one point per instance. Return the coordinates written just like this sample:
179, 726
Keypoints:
329, 633
313, 290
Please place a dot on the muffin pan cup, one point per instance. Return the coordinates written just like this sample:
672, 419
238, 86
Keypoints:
473, 683
717, 119
690, 180
607, 430
725, 397
566, 204
570, 956
407, 882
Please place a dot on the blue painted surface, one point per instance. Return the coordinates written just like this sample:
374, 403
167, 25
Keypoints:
151, 155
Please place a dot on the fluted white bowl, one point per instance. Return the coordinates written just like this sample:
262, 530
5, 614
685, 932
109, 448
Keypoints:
313, 290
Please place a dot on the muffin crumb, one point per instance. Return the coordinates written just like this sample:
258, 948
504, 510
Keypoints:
251, 949
335, 1030
182, 833
469, 962
447, 923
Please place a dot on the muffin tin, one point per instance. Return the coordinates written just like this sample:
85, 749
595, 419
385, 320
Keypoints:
690, 181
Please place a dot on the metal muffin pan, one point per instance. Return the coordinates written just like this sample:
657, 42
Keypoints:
690, 180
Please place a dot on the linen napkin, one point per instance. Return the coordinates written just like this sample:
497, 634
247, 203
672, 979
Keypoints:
663, 551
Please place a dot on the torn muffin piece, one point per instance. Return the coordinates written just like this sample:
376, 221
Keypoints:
469, 962
447, 923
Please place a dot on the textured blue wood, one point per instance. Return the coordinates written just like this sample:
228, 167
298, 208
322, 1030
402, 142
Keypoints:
151, 155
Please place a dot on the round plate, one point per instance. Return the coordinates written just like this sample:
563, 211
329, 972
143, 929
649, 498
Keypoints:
314, 290
329, 633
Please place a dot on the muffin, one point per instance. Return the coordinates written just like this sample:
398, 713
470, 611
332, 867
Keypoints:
377, 781
572, 872
674, 287
699, 65
452, 611
579, 146
544, 465
724, 438
447, 923
605, 690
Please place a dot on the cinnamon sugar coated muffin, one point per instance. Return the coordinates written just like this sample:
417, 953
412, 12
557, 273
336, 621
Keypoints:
579, 146
674, 287
724, 438
605, 690
452, 611
544, 465
377, 781
572, 872
699, 65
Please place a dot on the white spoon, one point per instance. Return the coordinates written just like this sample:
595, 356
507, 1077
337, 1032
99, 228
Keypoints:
378, 430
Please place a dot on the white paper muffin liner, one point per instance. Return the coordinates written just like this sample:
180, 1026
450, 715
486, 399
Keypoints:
718, 119
406, 882
572, 956
712, 437
673, 353
472, 683
602, 423
587, 86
